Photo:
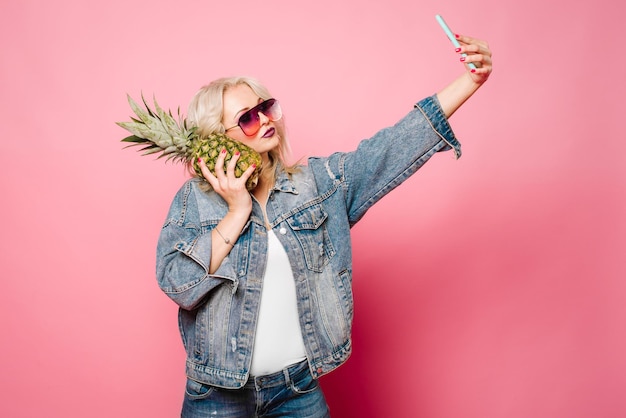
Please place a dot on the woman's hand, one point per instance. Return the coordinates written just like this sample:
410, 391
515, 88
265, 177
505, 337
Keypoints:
458, 91
232, 189
479, 54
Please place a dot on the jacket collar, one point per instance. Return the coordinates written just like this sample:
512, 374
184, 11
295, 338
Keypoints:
284, 182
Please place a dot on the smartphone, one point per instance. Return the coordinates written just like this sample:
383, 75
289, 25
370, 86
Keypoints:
452, 38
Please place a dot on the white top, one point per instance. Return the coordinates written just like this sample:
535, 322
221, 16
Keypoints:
278, 342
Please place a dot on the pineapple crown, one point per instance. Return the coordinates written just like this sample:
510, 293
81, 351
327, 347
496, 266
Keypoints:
159, 132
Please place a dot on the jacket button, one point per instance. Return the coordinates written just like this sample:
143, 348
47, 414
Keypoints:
282, 231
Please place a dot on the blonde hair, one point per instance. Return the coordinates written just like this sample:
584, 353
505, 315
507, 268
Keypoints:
206, 111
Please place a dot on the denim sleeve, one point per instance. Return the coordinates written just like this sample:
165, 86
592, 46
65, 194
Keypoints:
184, 255
384, 161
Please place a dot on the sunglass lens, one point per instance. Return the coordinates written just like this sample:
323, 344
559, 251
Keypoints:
272, 109
249, 122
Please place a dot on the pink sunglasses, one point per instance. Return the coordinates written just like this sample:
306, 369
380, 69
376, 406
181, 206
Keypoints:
250, 123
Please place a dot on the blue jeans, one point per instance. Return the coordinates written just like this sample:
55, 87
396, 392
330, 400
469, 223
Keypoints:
292, 392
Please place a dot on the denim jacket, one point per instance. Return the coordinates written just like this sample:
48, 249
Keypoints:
311, 213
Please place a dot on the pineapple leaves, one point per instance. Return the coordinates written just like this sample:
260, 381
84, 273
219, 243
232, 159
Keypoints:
159, 129
135, 139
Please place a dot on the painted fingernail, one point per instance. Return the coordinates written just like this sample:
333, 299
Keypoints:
254, 166
473, 70
237, 153
458, 50
462, 58
199, 160
224, 151
456, 35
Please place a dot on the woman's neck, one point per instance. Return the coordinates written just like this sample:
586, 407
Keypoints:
261, 192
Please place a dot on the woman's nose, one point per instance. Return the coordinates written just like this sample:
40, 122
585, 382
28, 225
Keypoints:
263, 119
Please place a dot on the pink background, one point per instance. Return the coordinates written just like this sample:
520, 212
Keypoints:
492, 286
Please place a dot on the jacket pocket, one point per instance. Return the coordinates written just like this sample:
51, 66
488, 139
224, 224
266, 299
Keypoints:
309, 227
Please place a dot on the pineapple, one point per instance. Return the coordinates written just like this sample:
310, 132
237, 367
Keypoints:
159, 132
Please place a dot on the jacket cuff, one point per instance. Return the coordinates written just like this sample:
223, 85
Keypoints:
431, 109
200, 251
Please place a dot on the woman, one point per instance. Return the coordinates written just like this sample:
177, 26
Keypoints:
263, 278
